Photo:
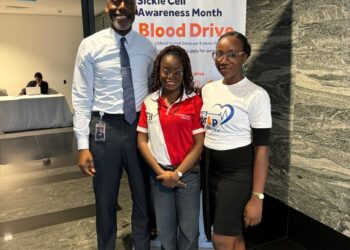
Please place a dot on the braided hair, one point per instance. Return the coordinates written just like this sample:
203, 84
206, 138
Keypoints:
188, 84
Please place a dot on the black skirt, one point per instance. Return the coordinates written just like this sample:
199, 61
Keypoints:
227, 186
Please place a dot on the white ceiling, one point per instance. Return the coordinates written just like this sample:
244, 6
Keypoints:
47, 7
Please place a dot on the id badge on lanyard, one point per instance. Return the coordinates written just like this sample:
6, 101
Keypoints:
100, 129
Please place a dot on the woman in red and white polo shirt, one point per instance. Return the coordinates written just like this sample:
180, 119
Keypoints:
171, 138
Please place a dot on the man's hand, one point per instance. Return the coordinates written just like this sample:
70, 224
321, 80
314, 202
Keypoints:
86, 162
171, 179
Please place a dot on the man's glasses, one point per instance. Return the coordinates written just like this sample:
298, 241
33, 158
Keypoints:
175, 73
231, 55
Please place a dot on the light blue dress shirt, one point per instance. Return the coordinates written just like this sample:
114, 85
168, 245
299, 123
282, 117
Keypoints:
97, 81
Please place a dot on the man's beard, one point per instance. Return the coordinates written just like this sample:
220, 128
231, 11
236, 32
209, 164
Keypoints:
119, 27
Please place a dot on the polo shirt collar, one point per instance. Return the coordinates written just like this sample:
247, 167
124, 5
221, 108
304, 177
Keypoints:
155, 96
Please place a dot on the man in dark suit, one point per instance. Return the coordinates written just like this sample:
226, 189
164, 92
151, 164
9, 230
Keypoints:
38, 82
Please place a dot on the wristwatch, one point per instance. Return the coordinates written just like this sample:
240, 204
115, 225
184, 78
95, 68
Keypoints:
179, 173
260, 196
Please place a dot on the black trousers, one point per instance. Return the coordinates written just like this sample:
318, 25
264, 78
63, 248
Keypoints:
119, 151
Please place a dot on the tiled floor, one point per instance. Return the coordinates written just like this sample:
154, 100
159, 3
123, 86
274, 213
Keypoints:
49, 204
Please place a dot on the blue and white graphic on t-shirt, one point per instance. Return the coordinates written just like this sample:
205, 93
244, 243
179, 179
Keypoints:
226, 112
219, 114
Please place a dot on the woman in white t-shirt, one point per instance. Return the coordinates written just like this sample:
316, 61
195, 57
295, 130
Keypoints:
236, 114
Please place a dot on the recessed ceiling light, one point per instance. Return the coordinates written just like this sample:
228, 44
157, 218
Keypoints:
17, 7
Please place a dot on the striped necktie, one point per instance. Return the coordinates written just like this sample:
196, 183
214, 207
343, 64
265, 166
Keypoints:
127, 84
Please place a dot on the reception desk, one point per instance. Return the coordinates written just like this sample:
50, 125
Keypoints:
21, 113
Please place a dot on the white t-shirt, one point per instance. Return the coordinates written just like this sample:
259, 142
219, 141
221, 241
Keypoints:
230, 112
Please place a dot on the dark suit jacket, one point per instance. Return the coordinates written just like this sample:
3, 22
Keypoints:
44, 86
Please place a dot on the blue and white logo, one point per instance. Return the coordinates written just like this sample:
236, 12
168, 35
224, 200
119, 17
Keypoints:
225, 112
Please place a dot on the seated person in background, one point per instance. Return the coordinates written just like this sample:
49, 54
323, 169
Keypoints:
38, 82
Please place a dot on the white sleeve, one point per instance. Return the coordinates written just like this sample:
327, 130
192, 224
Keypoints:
260, 111
82, 95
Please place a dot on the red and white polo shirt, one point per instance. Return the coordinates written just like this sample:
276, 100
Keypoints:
170, 129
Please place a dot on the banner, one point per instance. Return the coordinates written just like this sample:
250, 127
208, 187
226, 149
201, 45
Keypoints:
194, 25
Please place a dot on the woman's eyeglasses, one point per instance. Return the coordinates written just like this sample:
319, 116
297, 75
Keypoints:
231, 55
175, 73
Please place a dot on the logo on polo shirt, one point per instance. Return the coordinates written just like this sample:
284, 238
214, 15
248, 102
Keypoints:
150, 116
183, 116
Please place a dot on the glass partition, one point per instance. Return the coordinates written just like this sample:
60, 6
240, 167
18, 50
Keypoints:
101, 19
